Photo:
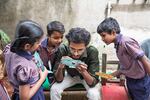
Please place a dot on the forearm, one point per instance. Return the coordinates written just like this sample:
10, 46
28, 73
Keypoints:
146, 64
26, 92
35, 88
88, 78
59, 75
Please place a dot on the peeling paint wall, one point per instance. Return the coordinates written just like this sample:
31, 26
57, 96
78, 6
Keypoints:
83, 13
132, 15
42, 11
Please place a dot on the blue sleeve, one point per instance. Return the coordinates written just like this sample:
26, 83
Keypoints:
146, 47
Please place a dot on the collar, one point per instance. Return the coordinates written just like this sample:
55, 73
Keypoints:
25, 54
44, 43
84, 55
117, 40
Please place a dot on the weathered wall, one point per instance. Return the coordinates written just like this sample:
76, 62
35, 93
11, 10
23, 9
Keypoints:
42, 11
84, 13
132, 15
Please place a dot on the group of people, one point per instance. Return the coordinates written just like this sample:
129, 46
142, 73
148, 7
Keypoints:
27, 77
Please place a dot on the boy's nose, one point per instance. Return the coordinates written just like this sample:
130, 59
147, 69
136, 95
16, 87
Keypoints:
59, 40
76, 53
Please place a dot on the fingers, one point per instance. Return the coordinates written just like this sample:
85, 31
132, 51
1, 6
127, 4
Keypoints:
43, 74
45, 71
61, 66
81, 68
65, 57
84, 67
39, 69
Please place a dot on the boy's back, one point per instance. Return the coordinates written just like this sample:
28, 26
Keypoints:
128, 51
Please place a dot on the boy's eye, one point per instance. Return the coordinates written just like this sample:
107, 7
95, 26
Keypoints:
102, 35
38, 42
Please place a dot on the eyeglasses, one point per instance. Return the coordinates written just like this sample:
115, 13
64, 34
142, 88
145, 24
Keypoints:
76, 51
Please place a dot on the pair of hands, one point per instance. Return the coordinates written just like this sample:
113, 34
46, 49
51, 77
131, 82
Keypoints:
80, 67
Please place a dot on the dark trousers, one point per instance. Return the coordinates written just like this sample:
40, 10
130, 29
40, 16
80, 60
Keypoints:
139, 89
38, 96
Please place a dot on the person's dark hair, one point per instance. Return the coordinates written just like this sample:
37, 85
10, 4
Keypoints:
108, 25
78, 35
55, 26
27, 31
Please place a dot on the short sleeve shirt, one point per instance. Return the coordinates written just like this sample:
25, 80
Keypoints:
129, 52
20, 68
3, 93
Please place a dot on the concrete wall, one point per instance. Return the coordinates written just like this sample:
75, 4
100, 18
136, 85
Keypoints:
42, 11
132, 15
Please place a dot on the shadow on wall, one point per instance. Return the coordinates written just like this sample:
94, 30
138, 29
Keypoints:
14, 10
3, 2
7, 16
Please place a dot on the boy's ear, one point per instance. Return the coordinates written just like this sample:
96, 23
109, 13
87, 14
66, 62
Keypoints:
27, 46
113, 32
